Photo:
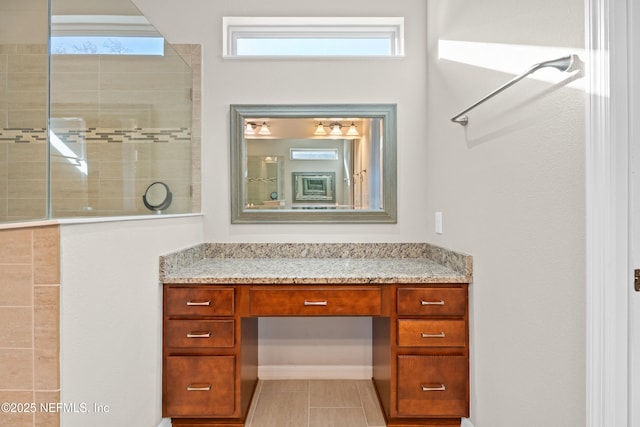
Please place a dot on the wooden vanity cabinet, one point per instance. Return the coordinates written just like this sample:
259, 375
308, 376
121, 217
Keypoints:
421, 355
420, 347
210, 356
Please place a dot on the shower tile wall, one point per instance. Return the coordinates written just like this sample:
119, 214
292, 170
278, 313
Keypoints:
23, 122
123, 139
30, 333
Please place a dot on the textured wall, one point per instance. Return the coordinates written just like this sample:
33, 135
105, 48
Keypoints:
511, 188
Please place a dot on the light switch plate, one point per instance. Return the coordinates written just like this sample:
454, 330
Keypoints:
439, 222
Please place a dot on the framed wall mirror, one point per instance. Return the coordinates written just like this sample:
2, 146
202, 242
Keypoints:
313, 163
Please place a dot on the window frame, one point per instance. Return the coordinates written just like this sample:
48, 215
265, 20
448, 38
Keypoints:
236, 28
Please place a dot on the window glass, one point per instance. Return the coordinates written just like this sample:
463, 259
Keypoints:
312, 37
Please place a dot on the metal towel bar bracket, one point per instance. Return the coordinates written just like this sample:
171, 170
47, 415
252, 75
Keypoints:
566, 64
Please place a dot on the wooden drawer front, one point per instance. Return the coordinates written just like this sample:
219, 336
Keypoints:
434, 386
432, 301
431, 333
199, 333
198, 301
316, 302
199, 386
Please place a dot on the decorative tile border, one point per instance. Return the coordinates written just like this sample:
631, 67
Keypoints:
94, 135
23, 135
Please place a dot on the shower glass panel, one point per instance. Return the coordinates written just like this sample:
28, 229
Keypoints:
23, 109
120, 112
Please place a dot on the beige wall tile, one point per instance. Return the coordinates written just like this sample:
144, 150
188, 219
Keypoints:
27, 209
28, 63
15, 419
17, 369
78, 81
46, 256
61, 64
17, 327
47, 337
43, 418
27, 82
27, 99
27, 118
15, 247
15, 280
28, 153
26, 189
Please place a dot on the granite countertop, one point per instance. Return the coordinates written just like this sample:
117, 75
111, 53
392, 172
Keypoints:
320, 263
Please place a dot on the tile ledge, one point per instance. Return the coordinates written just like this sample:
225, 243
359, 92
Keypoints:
90, 220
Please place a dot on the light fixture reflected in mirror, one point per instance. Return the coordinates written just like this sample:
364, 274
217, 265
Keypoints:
320, 130
336, 129
250, 129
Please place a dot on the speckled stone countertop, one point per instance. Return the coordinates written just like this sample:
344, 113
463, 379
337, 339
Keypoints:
317, 263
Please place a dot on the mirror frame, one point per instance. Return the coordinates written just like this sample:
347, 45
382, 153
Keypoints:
386, 112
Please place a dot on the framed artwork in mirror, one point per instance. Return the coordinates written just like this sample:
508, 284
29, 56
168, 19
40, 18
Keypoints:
314, 187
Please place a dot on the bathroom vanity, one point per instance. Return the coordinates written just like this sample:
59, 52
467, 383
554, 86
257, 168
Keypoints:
415, 294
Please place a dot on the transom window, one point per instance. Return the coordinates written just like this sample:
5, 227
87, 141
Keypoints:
247, 37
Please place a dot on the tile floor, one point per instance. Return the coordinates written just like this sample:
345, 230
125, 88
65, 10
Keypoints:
315, 403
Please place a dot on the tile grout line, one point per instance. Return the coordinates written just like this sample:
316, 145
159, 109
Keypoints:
33, 325
364, 413
309, 403
253, 409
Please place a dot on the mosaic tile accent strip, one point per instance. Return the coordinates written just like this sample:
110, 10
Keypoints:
94, 135
23, 135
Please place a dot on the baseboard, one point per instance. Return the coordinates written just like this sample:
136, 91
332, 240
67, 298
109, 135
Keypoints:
466, 423
315, 372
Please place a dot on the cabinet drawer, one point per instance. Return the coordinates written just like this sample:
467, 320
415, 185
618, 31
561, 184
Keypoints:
431, 333
315, 302
199, 386
432, 301
433, 386
199, 333
198, 301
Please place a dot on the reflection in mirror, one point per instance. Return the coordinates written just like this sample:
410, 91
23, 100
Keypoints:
313, 163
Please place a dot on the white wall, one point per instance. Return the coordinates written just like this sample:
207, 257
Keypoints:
511, 188
111, 317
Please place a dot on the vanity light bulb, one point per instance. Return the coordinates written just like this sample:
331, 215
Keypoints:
352, 130
320, 130
335, 129
248, 130
264, 129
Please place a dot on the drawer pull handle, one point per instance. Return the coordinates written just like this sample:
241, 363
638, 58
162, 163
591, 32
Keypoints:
423, 302
199, 303
199, 387
425, 335
198, 334
312, 303
441, 387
